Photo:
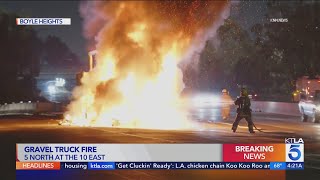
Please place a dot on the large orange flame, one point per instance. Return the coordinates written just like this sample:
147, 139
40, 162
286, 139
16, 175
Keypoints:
137, 81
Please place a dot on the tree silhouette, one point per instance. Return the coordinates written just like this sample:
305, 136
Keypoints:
20, 51
58, 54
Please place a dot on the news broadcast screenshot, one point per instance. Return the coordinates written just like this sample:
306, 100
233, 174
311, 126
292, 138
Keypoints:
158, 90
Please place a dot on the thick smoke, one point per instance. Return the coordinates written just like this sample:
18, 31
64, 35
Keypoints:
136, 37
198, 20
191, 58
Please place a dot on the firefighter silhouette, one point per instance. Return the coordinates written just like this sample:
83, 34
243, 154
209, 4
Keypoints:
226, 102
243, 111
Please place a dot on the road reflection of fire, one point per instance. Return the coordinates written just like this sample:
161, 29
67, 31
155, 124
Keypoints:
137, 82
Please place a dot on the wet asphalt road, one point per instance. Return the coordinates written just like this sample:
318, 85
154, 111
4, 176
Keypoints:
210, 129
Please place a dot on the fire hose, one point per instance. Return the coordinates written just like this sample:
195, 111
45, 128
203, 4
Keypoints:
255, 127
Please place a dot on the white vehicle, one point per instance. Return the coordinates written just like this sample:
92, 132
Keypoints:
309, 107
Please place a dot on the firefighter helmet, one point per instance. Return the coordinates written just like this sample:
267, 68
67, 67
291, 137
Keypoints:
244, 92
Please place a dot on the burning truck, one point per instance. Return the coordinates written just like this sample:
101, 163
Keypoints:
119, 119
135, 76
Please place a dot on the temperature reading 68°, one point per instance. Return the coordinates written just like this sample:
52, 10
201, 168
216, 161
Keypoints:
277, 165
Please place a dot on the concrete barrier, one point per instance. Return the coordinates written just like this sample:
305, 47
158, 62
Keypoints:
44, 107
17, 108
47, 107
276, 107
29, 108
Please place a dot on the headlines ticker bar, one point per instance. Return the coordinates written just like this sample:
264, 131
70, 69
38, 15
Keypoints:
157, 165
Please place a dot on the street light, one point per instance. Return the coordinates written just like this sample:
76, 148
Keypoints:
51, 89
60, 82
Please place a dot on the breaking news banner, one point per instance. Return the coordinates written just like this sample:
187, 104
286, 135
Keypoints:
287, 156
43, 21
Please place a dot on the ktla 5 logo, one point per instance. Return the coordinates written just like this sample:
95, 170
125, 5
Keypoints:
294, 150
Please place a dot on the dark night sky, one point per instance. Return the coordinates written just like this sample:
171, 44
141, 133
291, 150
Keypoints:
71, 35
247, 14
